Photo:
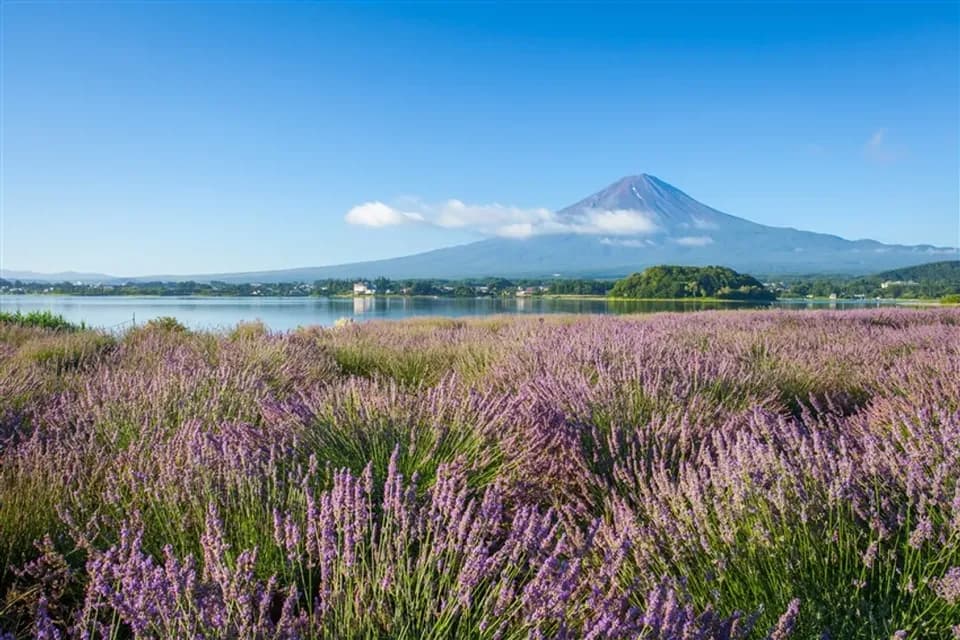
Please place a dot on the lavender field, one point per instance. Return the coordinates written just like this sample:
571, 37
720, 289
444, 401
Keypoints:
716, 475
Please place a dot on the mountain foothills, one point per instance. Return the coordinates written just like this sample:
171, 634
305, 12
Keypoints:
636, 222
932, 280
946, 272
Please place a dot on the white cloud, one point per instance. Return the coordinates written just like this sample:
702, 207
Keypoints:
877, 149
700, 223
378, 214
628, 242
694, 241
623, 222
517, 230
502, 220
488, 218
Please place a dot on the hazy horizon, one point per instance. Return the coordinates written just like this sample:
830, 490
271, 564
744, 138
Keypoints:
198, 138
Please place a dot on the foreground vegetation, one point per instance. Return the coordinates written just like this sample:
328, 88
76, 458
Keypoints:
704, 475
41, 319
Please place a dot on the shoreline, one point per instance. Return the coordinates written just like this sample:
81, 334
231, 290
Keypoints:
558, 296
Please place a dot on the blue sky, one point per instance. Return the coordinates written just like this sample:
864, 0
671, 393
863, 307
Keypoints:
188, 137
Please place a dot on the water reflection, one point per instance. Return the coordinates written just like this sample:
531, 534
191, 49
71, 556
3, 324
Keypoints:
362, 305
288, 313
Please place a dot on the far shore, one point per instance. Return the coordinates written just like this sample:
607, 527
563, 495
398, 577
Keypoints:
544, 296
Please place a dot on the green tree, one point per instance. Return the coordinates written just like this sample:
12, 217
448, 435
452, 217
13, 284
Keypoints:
670, 281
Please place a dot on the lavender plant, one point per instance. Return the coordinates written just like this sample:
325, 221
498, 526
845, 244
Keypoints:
708, 475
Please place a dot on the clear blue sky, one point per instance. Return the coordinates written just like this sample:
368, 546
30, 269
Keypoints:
186, 137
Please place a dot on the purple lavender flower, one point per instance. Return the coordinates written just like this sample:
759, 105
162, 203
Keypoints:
948, 586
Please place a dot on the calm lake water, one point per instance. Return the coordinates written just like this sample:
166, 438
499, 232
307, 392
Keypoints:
289, 313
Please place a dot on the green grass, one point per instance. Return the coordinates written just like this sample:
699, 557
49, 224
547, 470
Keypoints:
62, 353
40, 319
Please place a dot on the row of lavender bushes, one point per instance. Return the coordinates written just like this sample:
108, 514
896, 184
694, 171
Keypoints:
716, 475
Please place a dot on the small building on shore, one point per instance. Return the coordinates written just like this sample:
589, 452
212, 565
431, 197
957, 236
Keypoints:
362, 289
898, 283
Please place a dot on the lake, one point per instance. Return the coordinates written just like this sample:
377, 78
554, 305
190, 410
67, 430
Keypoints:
287, 313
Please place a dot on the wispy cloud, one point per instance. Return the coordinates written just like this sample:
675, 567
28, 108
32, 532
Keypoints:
377, 214
496, 219
877, 149
694, 241
502, 220
628, 242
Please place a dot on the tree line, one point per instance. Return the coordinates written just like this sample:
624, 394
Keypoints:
465, 288
930, 281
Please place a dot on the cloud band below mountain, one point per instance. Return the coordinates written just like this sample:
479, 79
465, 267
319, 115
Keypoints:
694, 241
504, 221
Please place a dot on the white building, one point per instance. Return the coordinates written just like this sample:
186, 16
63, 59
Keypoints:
361, 289
901, 283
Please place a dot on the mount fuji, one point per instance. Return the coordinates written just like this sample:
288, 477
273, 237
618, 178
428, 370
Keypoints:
636, 222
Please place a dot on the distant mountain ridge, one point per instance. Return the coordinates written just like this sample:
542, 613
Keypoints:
62, 276
636, 222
